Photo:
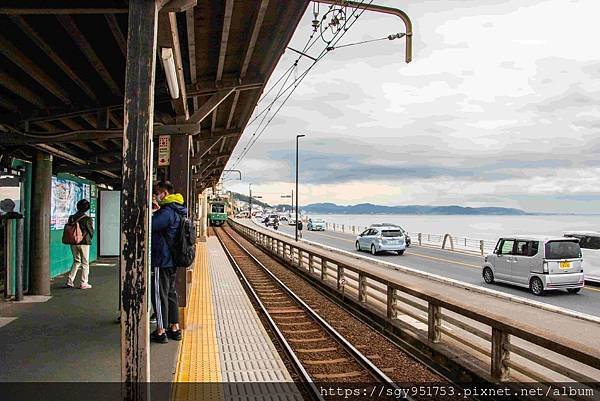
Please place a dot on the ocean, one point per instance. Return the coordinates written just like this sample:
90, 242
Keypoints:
476, 227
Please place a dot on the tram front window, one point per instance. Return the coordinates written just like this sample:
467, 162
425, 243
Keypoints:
218, 208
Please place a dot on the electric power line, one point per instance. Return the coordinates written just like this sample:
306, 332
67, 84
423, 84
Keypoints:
296, 82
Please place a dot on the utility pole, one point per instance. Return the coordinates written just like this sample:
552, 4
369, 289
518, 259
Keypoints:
297, 137
250, 199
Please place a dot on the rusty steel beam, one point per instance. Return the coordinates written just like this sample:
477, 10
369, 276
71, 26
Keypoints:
20, 90
385, 10
168, 36
135, 198
41, 43
87, 49
222, 51
113, 24
11, 52
9, 105
176, 6
17, 8
191, 38
210, 105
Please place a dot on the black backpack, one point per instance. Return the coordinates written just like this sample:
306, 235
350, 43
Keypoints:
183, 246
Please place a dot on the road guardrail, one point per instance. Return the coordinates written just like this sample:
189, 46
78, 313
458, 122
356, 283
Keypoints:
509, 350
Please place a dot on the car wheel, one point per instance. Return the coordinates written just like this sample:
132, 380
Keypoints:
536, 285
573, 290
488, 275
373, 250
357, 246
400, 253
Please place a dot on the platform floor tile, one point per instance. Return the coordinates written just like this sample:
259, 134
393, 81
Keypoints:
247, 354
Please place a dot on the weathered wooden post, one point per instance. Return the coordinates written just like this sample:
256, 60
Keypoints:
362, 288
135, 198
500, 355
434, 323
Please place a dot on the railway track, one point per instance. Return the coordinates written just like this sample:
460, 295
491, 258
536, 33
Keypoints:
318, 352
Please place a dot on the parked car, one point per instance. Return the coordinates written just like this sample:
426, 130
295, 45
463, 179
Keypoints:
537, 263
380, 239
406, 236
315, 225
291, 221
589, 241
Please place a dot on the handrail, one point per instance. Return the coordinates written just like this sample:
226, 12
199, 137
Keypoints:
490, 328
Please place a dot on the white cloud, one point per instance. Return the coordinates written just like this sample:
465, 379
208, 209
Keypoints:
508, 90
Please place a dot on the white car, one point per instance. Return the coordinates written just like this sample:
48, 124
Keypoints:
536, 262
589, 241
381, 239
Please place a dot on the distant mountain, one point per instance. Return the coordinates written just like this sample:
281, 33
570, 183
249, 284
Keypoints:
245, 198
369, 208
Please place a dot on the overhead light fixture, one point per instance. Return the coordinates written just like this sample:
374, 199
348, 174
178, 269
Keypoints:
169, 65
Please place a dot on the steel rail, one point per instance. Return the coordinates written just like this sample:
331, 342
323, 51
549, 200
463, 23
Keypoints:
377, 373
309, 383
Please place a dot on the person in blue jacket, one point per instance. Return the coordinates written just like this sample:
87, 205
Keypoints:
165, 225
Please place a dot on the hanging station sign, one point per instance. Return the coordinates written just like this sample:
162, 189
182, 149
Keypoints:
164, 150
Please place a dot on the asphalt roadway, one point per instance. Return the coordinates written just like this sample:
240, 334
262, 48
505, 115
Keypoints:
458, 266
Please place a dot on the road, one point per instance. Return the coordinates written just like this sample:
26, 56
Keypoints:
458, 266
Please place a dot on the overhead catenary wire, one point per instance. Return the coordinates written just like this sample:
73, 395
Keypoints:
295, 84
292, 86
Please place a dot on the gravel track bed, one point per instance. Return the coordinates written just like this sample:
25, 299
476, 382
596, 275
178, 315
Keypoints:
396, 363
311, 342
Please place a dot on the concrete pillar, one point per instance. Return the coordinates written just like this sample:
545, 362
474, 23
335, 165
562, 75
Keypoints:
39, 247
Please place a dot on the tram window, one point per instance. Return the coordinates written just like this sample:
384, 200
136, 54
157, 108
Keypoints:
216, 208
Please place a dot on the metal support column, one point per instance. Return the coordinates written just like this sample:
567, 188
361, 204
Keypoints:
135, 198
39, 250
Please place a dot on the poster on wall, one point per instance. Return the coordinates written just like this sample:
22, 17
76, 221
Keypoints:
10, 191
65, 195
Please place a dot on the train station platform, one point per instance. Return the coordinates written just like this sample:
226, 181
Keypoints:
73, 335
225, 341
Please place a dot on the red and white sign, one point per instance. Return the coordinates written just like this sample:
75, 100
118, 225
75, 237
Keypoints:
164, 150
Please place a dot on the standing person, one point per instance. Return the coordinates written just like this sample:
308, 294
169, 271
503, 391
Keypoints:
299, 223
165, 226
81, 250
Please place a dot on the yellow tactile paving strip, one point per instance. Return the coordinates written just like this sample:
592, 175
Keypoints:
199, 355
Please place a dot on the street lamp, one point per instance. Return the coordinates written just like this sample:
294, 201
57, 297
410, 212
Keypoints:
292, 199
297, 137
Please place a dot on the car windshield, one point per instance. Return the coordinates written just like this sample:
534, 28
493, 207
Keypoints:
318, 221
562, 250
391, 233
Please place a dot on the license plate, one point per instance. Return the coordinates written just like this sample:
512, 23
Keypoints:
565, 265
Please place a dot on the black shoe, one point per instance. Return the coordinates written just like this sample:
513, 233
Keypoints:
161, 339
174, 334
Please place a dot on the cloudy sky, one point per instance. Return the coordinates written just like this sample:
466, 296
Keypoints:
500, 107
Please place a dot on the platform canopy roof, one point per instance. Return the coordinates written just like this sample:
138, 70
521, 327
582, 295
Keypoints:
62, 74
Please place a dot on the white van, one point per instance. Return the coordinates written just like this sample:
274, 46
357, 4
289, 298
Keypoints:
538, 263
589, 241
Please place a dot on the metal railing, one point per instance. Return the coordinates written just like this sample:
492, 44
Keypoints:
509, 351
445, 241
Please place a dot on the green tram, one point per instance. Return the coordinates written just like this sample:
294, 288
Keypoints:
217, 212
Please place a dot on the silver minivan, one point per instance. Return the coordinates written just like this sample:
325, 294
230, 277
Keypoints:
538, 263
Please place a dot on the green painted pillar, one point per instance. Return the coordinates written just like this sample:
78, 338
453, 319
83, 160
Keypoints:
39, 246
